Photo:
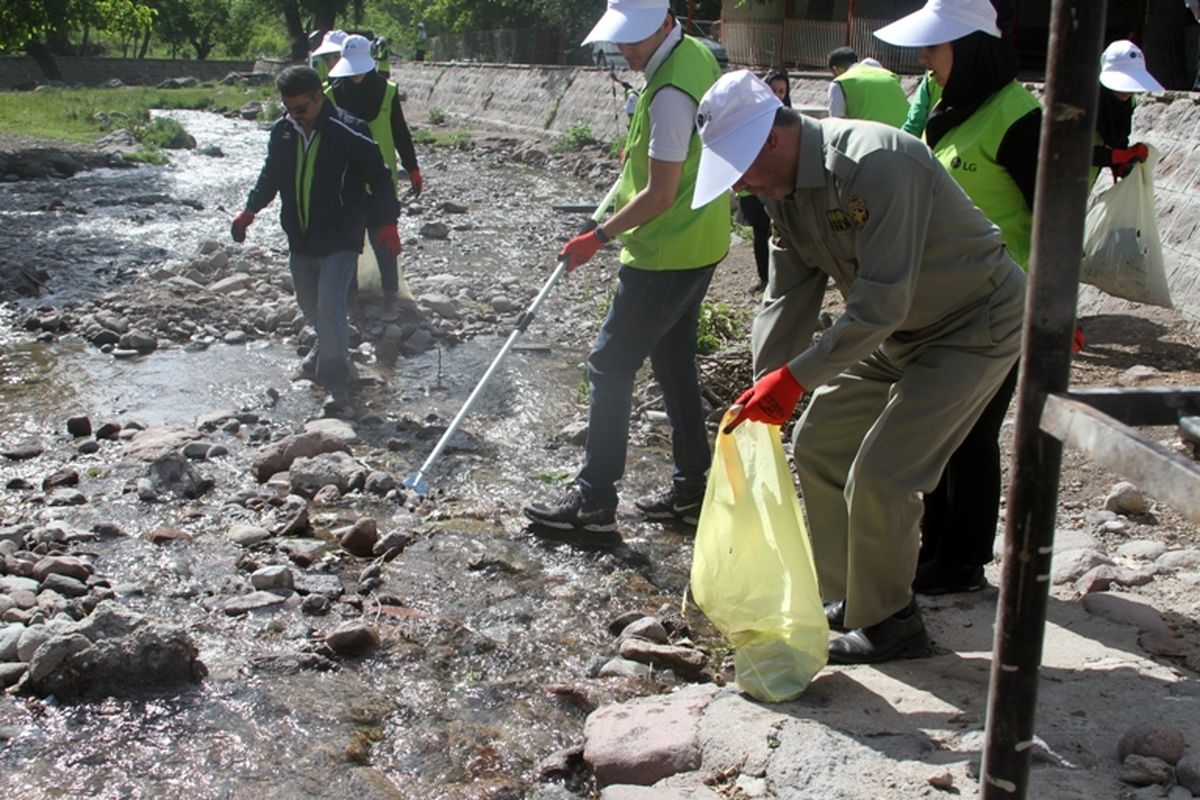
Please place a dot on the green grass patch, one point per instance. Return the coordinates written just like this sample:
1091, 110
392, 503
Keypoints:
166, 134
437, 116
441, 138
576, 137
719, 324
84, 115
146, 154
615, 147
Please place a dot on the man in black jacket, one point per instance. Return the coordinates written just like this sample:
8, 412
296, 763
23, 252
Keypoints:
321, 161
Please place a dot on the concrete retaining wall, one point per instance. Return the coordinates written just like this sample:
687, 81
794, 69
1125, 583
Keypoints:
16, 72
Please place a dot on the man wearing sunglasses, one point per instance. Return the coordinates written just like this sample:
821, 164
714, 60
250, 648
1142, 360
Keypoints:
321, 161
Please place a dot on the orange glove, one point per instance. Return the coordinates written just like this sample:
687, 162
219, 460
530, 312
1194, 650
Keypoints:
238, 228
772, 399
580, 250
390, 239
417, 182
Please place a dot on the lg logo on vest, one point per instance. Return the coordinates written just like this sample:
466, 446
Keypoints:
958, 163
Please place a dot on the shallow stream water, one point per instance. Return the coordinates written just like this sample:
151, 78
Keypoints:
461, 701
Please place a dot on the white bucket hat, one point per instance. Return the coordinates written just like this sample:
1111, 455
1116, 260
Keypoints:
332, 43
941, 21
356, 58
629, 21
1123, 69
734, 118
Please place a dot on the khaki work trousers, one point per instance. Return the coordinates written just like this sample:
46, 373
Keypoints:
881, 433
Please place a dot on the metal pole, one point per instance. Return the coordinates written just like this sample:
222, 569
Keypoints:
1072, 81
850, 23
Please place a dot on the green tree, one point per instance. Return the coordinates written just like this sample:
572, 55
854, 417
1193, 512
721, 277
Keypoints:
44, 27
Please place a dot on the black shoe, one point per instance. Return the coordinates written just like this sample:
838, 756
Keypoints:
339, 405
901, 635
573, 513
673, 504
835, 615
935, 578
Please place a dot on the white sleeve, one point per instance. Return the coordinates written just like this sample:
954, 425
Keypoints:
837, 99
672, 123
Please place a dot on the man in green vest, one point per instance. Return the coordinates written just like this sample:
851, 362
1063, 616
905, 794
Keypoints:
359, 88
934, 308
668, 255
865, 90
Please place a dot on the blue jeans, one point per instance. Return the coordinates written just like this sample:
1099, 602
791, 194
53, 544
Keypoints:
321, 283
653, 314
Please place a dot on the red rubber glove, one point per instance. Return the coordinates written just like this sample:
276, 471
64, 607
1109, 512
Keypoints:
389, 237
1123, 158
417, 182
238, 228
1078, 341
580, 250
772, 399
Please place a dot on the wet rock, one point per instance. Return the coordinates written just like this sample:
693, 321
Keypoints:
280, 456
196, 451
273, 577
79, 426
19, 485
435, 230
67, 476
64, 585
450, 207
139, 342
174, 474
108, 430
650, 628
255, 601
1144, 771
352, 639
336, 429
326, 496
66, 497
624, 668
646, 740
308, 475
379, 483
291, 518
250, 110
683, 660
89, 447
11, 673
360, 538
1125, 498
315, 605
70, 566
319, 583
392, 544
1153, 740
115, 651
166, 535
247, 535
22, 451
1070, 565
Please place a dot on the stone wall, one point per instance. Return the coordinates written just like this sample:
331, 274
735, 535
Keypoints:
548, 100
19, 72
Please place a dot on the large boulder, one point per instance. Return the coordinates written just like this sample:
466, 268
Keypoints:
310, 475
279, 456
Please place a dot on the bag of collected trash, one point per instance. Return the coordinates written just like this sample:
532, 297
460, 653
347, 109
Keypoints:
1122, 255
752, 568
370, 283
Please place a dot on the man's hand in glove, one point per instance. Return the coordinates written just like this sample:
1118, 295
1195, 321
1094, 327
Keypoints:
580, 250
772, 399
238, 228
390, 239
416, 181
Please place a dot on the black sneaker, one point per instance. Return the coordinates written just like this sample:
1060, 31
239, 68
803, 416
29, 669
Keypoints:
673, 504
935, 578
572, 513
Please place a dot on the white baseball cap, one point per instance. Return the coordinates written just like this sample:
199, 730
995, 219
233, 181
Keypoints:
734, 118
941, 21
629, 21
356, 58
1123, 69
332, 43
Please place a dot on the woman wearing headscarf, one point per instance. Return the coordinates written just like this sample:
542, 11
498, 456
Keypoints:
751, 207
984, 130
1123, 75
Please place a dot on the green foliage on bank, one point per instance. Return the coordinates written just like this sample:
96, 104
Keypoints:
84, 115
719, 325
576, 137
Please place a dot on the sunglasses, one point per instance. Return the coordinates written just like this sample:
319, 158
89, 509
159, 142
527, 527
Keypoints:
298, 110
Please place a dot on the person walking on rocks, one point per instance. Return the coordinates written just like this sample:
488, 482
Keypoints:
932, 325
332, 183
359, 88
668, 255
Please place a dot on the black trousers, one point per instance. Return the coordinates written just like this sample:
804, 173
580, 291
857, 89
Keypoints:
959, 525
757, 218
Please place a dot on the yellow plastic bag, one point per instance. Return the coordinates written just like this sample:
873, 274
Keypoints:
1122, 254
752, 569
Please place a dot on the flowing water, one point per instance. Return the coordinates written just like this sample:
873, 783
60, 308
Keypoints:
487, 619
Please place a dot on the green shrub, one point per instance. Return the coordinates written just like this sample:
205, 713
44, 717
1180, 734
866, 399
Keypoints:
437, 116
615, 147
719, 325
577, 137
165, 133
146, 154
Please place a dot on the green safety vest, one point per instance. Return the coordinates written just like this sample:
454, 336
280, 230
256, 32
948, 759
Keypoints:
968, 152
873, 93
678, 238
381, 129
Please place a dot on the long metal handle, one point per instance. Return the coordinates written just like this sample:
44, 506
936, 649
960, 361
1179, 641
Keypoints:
417, 481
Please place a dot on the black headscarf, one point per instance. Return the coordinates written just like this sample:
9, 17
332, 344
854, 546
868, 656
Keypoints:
1114, 119
779, 73
983, 65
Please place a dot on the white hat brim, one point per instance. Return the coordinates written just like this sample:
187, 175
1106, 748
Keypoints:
1132, 80
725, 161
924, 28
326, 48
358, 64
626, 27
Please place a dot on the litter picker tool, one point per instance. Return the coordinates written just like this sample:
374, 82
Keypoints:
416, 482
